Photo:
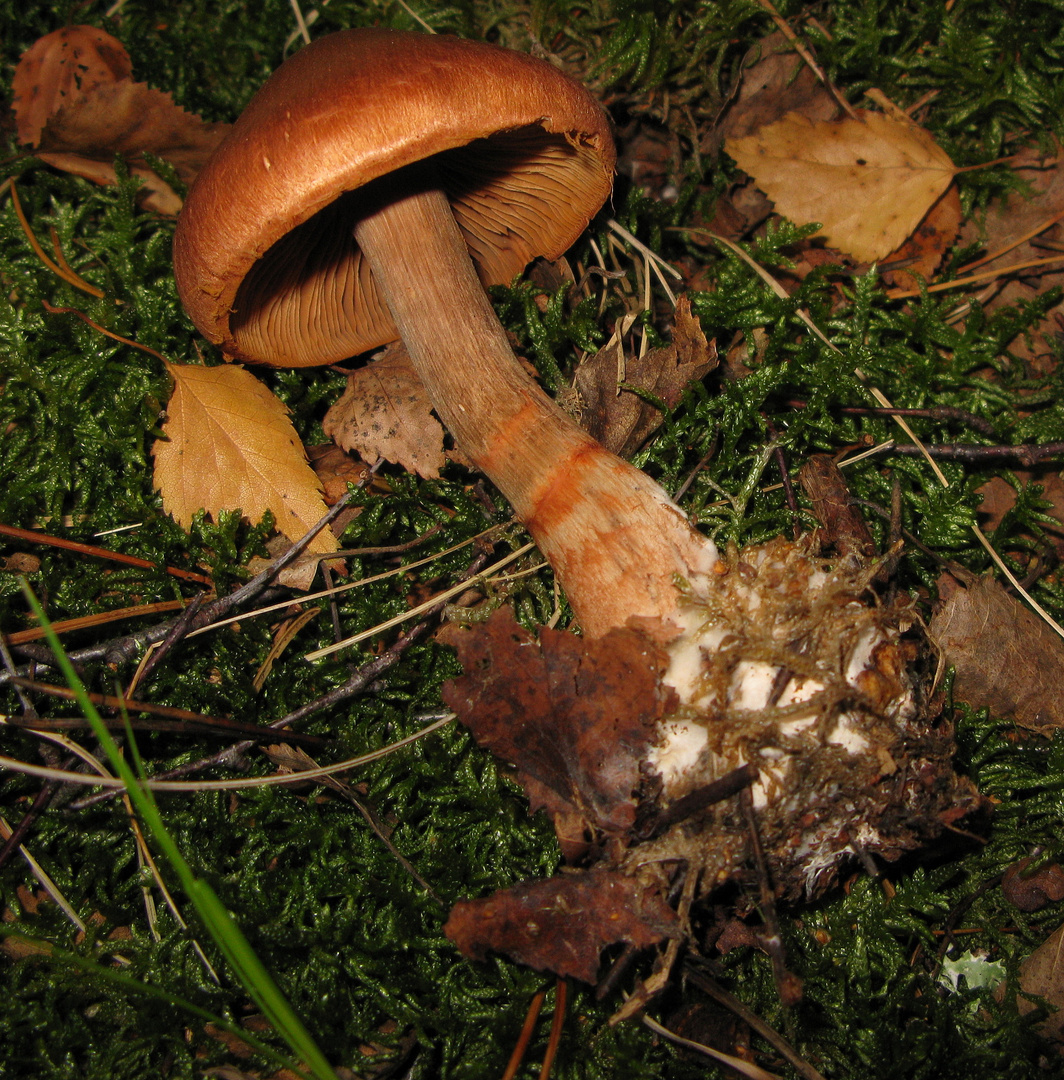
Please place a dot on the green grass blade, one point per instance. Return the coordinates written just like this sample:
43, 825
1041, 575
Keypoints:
227, 935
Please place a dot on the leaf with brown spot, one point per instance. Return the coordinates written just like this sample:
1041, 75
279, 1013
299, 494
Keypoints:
385, 412
868, 182
623, 421
575, 716
75, 101
1001, 651
562, 924
230, 445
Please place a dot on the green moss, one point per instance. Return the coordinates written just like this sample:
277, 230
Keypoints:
354, 941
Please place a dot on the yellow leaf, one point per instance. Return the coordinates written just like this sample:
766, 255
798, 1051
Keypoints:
868, 182
230, 445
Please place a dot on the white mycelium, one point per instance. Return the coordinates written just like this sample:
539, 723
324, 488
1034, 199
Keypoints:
785, 661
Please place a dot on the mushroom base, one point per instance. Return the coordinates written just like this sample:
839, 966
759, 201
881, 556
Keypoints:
789, 671
789, 733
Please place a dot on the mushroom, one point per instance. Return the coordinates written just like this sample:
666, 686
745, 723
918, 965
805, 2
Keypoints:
371, 189
343, 211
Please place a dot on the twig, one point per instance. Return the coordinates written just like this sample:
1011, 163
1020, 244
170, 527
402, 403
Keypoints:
744, 1068
366, 674
181, 627
103, 330
788, 985
172, 719
1027, 455
101, 618
35, 537
770, 1035
120, 650
939, 412
36, 808
807, 56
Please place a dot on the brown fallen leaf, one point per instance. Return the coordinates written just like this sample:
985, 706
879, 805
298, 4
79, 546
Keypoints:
1001, 652
562, 924
574, 715
336, 469
1042, 974
868, 182
229, 444
924, 250
623, 421
773, 81
384, 412
75, 102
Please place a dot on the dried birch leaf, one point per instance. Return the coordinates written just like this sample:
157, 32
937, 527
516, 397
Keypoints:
623, 422
75, 102
573, 715
562, 924
868, 182
1001, 652
385, 413
229, 444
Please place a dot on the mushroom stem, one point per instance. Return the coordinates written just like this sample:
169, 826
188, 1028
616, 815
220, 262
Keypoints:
615, 539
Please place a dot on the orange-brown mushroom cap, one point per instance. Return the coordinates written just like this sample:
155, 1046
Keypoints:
264, 256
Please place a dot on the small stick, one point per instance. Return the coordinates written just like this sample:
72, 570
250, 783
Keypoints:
367, 674
102, 618
103, 330
37, 807
788, 985
939, 412
119, 650
770, 1035
180, 628
807, 56
1026, 455
35, 537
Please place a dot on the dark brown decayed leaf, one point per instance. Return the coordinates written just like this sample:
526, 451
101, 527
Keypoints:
562, 924
384, 412
575, 716
623, 422
1001, 652
1032, 890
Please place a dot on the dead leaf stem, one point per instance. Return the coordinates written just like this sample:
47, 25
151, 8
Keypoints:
67, 275
103, 330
